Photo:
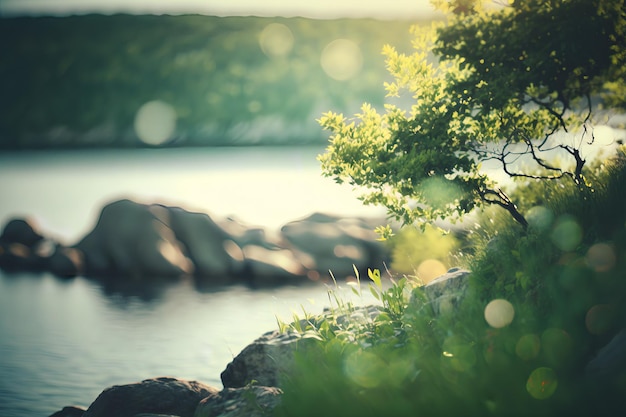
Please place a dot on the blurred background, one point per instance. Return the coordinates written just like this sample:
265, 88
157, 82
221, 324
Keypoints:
207, 105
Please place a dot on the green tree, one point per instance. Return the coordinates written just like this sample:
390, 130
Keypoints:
520, 84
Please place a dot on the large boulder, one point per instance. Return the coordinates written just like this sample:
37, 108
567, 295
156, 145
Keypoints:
250, 401
445, 293
133, 240
265, 361
204, 243
326, 243
22, 231
168, 396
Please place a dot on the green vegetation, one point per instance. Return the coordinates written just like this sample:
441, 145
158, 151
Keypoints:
562, 280
81, 80
547, 289
521, 85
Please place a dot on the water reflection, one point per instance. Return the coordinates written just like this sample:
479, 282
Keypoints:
63, 341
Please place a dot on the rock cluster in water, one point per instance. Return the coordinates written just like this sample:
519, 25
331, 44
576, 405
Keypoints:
140, 243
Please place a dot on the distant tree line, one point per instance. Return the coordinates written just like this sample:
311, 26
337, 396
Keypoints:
79, 81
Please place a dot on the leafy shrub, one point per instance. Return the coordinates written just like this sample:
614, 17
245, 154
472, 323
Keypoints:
564, 281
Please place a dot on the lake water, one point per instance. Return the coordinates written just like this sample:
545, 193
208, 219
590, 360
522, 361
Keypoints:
62, 342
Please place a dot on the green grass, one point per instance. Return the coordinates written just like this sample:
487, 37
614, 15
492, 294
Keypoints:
565, 278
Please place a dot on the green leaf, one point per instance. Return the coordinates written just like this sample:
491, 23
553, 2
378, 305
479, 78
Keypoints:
374, 275
375, 293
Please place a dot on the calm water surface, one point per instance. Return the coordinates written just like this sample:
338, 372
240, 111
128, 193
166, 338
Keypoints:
62, 342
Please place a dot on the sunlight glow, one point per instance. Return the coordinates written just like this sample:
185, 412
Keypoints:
276, 40
155, 122
430, 269
601, 257
458, 354
542, 383
599, 319
341, 59
364, 368
499, 313
325, 9
528, 347
540, 217
567, 234
556, 346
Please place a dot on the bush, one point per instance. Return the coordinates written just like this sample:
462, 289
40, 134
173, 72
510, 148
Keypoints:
564, 280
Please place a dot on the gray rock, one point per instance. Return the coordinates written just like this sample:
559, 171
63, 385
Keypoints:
250, 401
19, 257
270, 267
264, 361
22, 231
66, 262
203, 242
446, 292
19, 247
330, 243
133, 240
70, 411
610, 360
167, 396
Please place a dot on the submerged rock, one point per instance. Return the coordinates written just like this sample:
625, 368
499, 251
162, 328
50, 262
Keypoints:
22, 231
139, 243
22, 247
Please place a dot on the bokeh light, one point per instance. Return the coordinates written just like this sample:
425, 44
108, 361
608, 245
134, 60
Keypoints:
601, 257
341, 59
557, 347
499, 313
276, 40
542, 383
155, 122
364, 368
566, 234
439, 193
574, 272
430, 269
458, 354
599, 319
540, 217
528, 347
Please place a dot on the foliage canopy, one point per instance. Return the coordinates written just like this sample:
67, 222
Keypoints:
521, 85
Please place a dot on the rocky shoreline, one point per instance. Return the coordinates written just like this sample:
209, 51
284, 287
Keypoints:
251, 382
138, 243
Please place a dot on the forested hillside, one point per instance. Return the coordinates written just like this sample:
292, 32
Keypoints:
80, 81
